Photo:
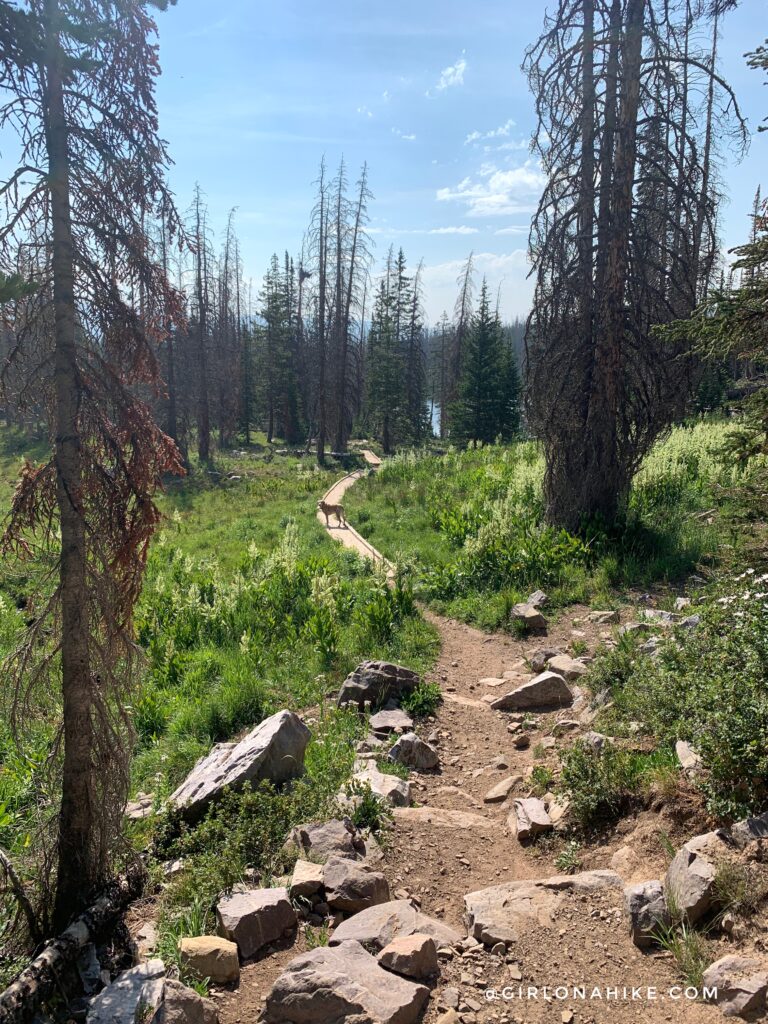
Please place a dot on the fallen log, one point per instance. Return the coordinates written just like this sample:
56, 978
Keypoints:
41, 980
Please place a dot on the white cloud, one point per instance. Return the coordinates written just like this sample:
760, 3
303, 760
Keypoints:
452, 75
365, 111
506, 274
385, 95
513, 229
497, 192
459, 229
495, 133
408, 136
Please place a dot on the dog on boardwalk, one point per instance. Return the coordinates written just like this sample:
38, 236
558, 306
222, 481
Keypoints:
332, 510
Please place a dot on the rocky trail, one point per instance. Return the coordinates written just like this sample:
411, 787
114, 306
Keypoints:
469, 919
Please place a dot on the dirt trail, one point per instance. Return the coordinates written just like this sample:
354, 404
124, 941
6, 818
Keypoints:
452, 843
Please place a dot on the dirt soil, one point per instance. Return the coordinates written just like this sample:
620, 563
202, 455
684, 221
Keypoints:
436, 859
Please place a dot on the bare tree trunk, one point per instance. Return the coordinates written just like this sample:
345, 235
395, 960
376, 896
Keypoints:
203, 410
321, 311
79, 861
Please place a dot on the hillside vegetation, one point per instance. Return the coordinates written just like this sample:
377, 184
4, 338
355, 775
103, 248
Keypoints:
471, 525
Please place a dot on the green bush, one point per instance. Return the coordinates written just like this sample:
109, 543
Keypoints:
707, 686
423, 701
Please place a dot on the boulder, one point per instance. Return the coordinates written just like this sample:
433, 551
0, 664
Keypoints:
351, 887
414, 752
531, 818
545, 691
390, 788
569, 668
134, 992
376, 927
745, 832
307, 879
182, 1005
646, 910
690, 879
528, 616
274, 750
502, 913
740, 984
414, 956
323, 839
537, 599
385, 722
210, 956
255, 918
375, 682
498, 793
329, 985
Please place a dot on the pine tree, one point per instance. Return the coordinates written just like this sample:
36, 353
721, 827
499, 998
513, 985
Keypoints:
481, 411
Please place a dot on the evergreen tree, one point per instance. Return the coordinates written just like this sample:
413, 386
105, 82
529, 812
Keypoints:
482, 409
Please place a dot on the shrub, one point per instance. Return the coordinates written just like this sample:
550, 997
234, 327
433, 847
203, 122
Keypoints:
423, 701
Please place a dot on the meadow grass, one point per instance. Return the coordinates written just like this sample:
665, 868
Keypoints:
248, 607
470, 525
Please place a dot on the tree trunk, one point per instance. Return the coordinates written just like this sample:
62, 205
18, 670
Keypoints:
78, 855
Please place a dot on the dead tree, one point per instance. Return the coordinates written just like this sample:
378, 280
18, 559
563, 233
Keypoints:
82, 102
624, 237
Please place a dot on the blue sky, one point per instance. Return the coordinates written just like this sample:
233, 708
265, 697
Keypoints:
429, 92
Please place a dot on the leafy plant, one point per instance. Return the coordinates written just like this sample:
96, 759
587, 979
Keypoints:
370, 811
422, 701
568, 860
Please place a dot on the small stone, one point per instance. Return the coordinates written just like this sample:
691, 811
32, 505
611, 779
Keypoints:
414, 956
414, 752
528, 616
386, 722
531, 818
546, 690
210, 956
307, 879
687, 756
740, 983
521, 741
647, 911
352, 887
502, 789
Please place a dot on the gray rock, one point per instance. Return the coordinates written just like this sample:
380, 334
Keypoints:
376, 927
741, 984
594, 740
343, 983
646, 910
414, 752
605, 618
690, 879
323, 839
690, 622
537, 599
307, 879
529, 616
182, 1005
132, 995
352, 887
140, 807
274, 750
255, 918
375, 682
687, 756
745, 832
538, 659
502, 913
531, 818
547, 690
414, 956
390, 788
682, 602
569, 668
385, 722
498, 793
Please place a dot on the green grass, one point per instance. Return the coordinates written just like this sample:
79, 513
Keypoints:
248, 607
470, 525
